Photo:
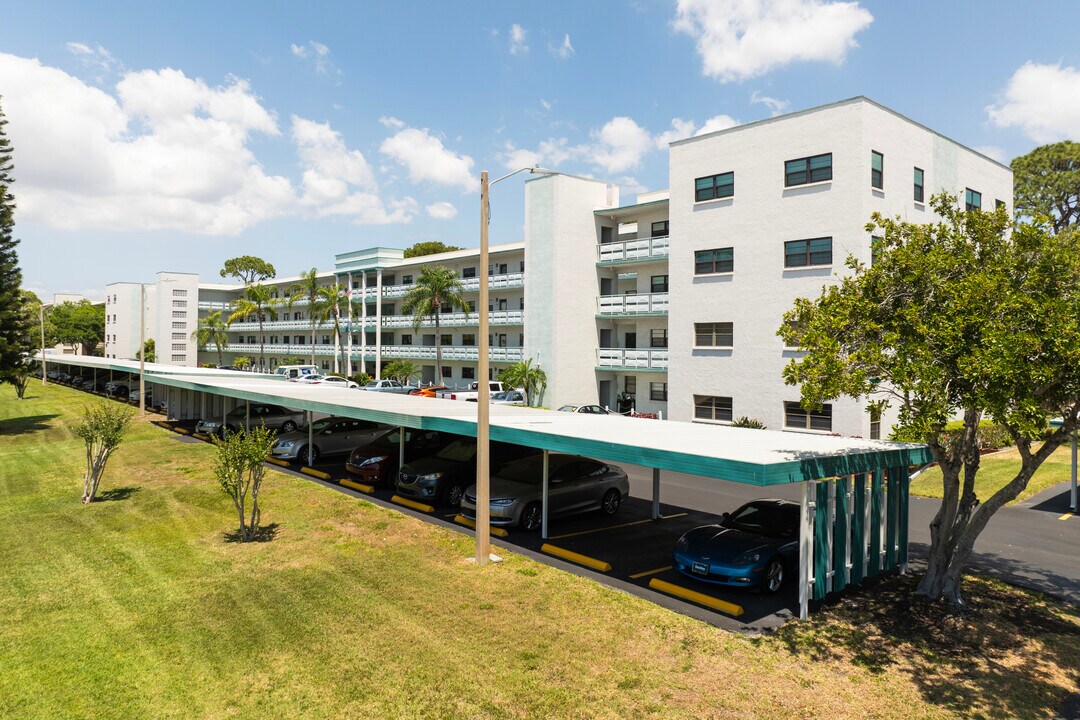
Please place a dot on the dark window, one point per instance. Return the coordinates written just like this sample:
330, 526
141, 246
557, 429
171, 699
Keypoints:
875, 424
714, 186
800, 253
808, 170
468, 339
605, 234
660, 229
659, 283
796, 417
707, 407
468, 272
630, 384
877, 170
972, 200
918, 185
999, 204
406, 339
446, 371
468, 373
658, 338
446, 340
406, 279
721, 260
720, 334
658, 391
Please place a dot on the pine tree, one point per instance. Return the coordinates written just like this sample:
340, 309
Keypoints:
14, 325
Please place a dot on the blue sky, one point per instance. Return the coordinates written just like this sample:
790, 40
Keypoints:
170, 137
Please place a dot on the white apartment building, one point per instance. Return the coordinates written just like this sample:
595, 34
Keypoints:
171, 313
673, 301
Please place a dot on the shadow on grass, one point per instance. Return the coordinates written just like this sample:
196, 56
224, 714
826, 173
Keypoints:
995, 658
265, 533
24, 425
116, 494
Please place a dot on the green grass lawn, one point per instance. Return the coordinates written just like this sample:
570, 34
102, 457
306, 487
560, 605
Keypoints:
997, 470
138, 607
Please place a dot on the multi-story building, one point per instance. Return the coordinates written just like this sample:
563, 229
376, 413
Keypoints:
671, 303
169, 316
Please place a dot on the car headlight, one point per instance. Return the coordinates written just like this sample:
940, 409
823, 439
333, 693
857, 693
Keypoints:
429, 479
748, 558
373, 460
286, 443
503, 502
682, 544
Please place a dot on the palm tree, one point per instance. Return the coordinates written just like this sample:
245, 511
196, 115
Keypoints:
307, 289
436, 287
331, 302
212, 330
401, 370
256, 301
530, 378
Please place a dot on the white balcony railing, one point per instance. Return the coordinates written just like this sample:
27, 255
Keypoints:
641, 249
297, 350
500, 281
457, 319
414, 352
633, 304
632, 359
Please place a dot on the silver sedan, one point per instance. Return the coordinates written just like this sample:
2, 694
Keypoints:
330, 435
576, 485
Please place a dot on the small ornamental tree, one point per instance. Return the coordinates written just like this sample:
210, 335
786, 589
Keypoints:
102, 429
240, 470
401, 370
530, 378
19, 377
971, 317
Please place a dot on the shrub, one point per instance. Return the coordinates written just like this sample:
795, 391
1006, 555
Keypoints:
748, 422
240, 471
991, 435
360, 378
102, 429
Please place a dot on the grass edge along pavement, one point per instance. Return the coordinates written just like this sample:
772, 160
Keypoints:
138, 605
999, 468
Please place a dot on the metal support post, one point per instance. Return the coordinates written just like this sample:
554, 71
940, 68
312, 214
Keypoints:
544, 500
247, 416
656, 494
483, 397
401, 448
806, 548
310, 440
1072, 488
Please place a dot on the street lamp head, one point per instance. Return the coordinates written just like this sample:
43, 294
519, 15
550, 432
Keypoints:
537, 170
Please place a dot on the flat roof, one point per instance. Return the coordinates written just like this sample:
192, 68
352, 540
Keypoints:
630, 209
755, 457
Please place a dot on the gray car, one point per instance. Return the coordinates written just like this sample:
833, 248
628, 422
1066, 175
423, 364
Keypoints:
274, 417
576, 485
331, 435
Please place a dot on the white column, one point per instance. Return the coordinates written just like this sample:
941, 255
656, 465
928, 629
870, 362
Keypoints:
348, 341
544, 500
806, 549
378, 322
868, 489
830, 511
363, 322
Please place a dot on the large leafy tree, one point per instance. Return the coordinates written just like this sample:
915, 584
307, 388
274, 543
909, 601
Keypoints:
306, 290
212, 330
78, 323
1047, 184
430, 247
257, 302
15, 341
436, 287
530, 378
969, 316
248, 268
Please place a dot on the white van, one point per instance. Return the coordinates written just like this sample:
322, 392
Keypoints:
294, 372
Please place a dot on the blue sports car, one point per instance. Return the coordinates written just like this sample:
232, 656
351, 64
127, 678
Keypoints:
751, 547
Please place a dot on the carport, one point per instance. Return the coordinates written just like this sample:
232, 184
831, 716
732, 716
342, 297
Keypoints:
854, 493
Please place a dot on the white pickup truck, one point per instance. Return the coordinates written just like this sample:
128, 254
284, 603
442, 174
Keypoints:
388, 386
473, 393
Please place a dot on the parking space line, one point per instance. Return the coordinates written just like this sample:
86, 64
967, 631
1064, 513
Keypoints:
1066, 516
694, 596
613, 527
635, 576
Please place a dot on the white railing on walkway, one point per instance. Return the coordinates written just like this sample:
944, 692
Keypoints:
639, 359
633, 304
639, 249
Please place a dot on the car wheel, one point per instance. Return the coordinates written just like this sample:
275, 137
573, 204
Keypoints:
454, 493
302, 456
288, 426
611, 501
532, 517
774, 576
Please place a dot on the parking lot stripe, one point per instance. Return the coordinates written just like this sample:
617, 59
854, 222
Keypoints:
694, 596
635, 576
599, 565
422, 507
1066, 516
462, 520
612, 527
315, 473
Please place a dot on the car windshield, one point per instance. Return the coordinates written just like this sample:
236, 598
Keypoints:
458, 451
766, 519
529, 470
373, 383
568, 408
499, 396
320, 425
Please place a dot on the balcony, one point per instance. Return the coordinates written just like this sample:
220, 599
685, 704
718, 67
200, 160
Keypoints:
633, 305
412, 352
500, 281
296, 350
623, 359
628, 251
457, 319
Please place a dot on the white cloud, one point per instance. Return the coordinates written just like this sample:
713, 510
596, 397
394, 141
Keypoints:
747, 38
318, 52
563, 51
545, 104
1043, 101
776, 107
518, 45
682, 129
619, 145
716, 123
442, 211
391, 122
993, 152
298, 50
95, 58
427, 159
322, 149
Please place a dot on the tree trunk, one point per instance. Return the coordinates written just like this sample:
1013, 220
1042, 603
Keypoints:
262, 341
438, 346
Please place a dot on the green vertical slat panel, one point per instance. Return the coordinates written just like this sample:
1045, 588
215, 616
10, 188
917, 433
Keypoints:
903, 499
858, 510
875, 522
821, 540
890, 517
840, 536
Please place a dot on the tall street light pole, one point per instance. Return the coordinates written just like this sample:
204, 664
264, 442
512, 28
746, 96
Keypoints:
483, 396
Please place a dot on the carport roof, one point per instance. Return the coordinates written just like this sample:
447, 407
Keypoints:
756, 457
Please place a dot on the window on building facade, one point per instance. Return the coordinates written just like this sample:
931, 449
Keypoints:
179, 314
179, 358
659, 284
720, 260
660, 229
469, 272
709, 407
179, 293
468, 339
658, 391
606, 235
801, 253
175, 325
817, 168
972, 200
630, 384
447, 371
658, 338
406, 280
797, 418
999, 204
875, 423
179, 303
877, 170
179, 336
406, 339
446, 340
714, 186
325, 339
918, 185
468, 373
521, 303
179, 346
714, 334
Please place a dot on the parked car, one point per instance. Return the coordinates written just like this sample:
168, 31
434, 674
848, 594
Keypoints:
308, 379
292, 372
337, 381
133, 396
508, 397
472, 393
330, 436
443, 477
388, 386
587, 409
429, 391
576, 484
377, 461
274, 417
752, 547
120, 389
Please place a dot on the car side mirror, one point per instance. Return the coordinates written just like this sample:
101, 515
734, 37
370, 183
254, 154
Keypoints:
725, 516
